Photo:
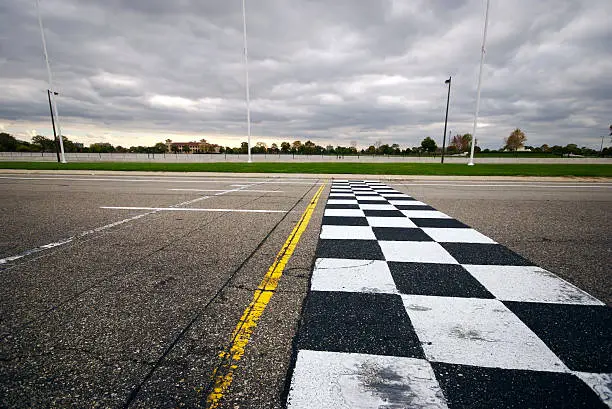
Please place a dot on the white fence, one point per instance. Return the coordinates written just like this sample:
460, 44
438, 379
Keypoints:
220, 157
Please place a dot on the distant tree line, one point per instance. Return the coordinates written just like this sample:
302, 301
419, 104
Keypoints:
39, 143
459, 144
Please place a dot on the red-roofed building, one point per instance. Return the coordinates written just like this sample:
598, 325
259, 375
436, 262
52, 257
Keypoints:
192, 147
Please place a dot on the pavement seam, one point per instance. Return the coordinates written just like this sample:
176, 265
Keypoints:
134, 393
76, 237
222, 376
104, 279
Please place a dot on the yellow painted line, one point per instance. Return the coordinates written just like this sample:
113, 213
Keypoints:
223, 374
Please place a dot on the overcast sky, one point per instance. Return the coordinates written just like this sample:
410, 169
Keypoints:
136, 72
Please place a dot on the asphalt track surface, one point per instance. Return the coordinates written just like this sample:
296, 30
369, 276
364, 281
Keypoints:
135, 314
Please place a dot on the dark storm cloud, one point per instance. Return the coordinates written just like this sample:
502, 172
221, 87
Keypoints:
334, 71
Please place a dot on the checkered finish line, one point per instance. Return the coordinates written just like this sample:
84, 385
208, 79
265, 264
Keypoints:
410, 308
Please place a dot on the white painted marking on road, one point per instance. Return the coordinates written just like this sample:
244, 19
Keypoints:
101, 228
370, 276
601, 383
416, 252
331, 380
192, 209
344, 212
35, 250
347, 232
407, 202
529, 284
425, 214
377, 207
226, 190
448, 235
390, 222
374, 198
341, 201
70, 239
478, 332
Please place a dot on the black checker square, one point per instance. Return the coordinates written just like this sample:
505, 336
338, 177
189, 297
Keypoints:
442, 223
342, 206
383, 213
399, 199
366, 201
400, 234
413, 207
580, 335
342, 197
441, 280
345, 221
364, 193
366, 323
485, 388
485, 254
349, 249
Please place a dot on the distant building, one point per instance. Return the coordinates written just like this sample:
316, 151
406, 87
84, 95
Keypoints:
192, 147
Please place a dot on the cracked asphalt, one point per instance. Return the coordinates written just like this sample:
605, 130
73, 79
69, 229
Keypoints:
135, 315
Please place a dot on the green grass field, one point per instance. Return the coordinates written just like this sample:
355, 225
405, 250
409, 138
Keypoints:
597, 170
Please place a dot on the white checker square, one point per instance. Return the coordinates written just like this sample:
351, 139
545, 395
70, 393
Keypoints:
601, 383
392, 195
363, 276
377, 198
529, 284
376, 207
407, 202
477, 332
347, 232
425, 214
416, 252
448, 235
366, 189
344, 212
333, 380
390, 222
342, 201
341, 194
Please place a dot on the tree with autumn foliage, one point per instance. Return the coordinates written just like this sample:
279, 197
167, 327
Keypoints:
461, 143
515, 141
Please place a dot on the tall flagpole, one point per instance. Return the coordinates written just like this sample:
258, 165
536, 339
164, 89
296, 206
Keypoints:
246, 70
482, 56
52, 91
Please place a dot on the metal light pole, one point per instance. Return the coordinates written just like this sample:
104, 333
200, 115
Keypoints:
448, 81
246, 71
44, 43
57, 151
482, 56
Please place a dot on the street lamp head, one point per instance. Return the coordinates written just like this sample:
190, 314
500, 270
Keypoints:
448, 81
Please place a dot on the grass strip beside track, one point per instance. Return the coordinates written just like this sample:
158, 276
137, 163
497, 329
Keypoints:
483, 169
